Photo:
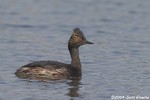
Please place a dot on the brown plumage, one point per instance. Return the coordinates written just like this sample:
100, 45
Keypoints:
54, 69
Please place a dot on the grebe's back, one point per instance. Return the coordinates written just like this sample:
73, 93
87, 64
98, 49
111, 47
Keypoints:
44, 70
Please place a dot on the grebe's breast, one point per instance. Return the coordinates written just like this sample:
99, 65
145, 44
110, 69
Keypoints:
44, 70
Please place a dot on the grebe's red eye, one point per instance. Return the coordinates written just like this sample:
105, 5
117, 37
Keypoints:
82, 38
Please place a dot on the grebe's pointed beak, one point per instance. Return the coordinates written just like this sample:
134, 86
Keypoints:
88, 42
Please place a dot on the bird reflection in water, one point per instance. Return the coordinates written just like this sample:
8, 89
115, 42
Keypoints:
74, 88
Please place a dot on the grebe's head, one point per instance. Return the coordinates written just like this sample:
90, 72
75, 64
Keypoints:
77, 39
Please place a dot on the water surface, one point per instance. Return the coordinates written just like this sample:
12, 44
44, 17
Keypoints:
117, 64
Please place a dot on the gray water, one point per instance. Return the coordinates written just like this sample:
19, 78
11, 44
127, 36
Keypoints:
118, 64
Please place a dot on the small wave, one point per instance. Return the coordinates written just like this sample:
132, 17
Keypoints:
24, 26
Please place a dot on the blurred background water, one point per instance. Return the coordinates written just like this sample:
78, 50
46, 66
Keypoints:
117, 64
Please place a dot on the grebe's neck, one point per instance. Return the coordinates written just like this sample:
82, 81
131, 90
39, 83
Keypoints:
75, 59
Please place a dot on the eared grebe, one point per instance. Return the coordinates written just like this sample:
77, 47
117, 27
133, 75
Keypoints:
54, 69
